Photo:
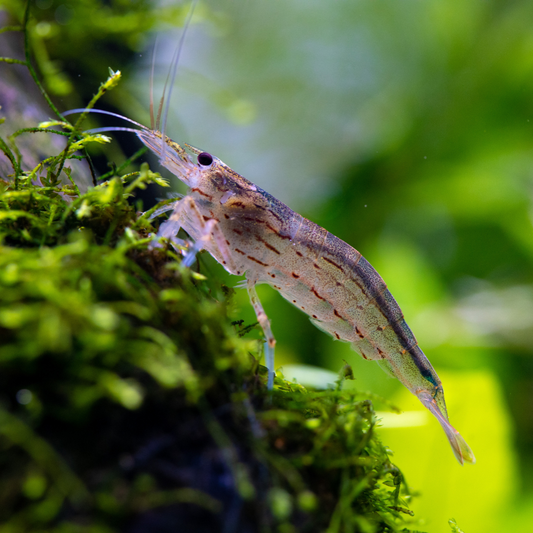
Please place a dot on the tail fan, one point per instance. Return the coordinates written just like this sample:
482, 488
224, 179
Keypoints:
460, 448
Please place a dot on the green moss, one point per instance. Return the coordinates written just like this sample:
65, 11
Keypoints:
128, 402
114, 359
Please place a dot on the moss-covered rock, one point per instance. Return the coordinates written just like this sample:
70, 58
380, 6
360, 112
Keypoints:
129, 402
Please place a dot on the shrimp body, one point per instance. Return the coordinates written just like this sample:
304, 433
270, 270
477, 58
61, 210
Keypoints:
250, 232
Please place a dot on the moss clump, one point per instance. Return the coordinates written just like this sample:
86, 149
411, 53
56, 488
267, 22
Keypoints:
127, 400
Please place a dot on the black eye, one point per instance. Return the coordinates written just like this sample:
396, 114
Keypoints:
205, 159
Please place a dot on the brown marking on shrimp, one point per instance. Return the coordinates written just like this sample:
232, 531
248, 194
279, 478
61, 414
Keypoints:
313, 290
252, 219
331, 262
198, 190
267, 244
275, 215
257, 261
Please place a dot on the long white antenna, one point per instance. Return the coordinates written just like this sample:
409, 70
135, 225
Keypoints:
154, 53
102, 112
171, 76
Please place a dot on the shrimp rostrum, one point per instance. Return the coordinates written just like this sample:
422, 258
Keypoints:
252, 233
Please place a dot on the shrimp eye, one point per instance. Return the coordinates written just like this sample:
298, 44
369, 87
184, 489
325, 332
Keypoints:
205, 159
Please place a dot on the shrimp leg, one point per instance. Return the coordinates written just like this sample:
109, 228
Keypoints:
264, 322
210, 237
209, 234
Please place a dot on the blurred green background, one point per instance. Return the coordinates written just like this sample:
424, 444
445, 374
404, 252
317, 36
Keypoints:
406, 129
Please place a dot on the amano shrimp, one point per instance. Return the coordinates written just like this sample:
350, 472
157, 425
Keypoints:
251, 233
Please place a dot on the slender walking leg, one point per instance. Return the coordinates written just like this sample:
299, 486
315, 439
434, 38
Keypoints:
264, 322
210, 232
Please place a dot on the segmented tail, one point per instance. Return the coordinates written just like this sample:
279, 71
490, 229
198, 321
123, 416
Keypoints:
460, 448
